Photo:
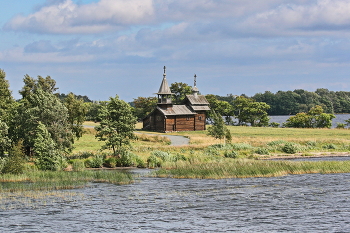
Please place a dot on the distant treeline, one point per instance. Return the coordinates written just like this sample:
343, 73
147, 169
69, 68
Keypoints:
293, 102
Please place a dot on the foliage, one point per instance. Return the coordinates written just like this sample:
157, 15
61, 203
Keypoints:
110, 162
117, 125
220, 107
144, 106
47, 156
179, 90
76, 114
95, 162
315, 118
5, 141
153, 161
290, 148
262, 151
274, 124
219, 130
6, 99
38, 105
15, 161
340, 125
231, 154
250, 111
93, 109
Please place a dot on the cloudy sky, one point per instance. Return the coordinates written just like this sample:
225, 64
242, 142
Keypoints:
101, 48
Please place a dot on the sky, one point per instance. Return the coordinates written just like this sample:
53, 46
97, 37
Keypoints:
103, 48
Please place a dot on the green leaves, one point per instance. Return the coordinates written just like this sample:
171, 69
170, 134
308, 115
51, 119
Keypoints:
315, 118
117, 125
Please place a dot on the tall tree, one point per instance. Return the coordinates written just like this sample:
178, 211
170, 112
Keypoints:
252, 112
76, 114
117, 125
6, 99
41, 105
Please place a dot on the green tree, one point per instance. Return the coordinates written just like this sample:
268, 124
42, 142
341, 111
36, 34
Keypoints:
117, 125
5, 142
218, 129
47, 156
76, 114
38, 105
221, 107
315, 118
144, 106
252, 112
180, 90
6, 99
31, 85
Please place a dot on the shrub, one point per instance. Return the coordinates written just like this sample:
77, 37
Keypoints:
127, 159
153, 161
140, 163
82, 155
311, 143
262, 151
231, 154
165, 156
94, 162
290, 148
330, 146
110, 162
274, 124
15, 162
340, 125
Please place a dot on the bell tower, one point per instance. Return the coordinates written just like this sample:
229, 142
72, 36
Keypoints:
164, 93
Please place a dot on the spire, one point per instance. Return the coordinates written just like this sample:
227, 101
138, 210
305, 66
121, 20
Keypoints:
164, 87
195, 90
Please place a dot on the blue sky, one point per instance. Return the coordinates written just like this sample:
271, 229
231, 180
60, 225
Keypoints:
101, 48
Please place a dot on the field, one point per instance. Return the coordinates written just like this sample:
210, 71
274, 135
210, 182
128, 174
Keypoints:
205, 157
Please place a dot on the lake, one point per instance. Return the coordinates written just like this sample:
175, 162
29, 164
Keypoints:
339, 118
294, 203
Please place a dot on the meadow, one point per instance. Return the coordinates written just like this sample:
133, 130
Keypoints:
205, 157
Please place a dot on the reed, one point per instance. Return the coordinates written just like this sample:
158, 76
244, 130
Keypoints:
242, 168
48, 180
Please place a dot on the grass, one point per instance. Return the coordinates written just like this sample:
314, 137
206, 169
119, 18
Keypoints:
49, 180
242, 168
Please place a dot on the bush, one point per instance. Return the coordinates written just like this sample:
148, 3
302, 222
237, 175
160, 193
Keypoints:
110, 162
127, 159
82, 155
311, 143
231, 154
340, 125
140, 163
262, 151
94, 162
274, 124
15, 162
290, 148
330, 146
153, 161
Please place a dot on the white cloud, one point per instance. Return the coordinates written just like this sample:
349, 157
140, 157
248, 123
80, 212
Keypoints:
69, 18
19, 55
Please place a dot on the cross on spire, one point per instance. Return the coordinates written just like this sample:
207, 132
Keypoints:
195, 80
164, 69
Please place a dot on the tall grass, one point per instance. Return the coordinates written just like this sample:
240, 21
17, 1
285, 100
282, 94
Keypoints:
48, 180
241, 168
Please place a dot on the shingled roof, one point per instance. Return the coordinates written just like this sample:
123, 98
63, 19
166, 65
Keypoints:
176, 110
197, 100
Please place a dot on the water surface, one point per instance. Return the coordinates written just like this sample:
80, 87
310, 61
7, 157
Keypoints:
295, 203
